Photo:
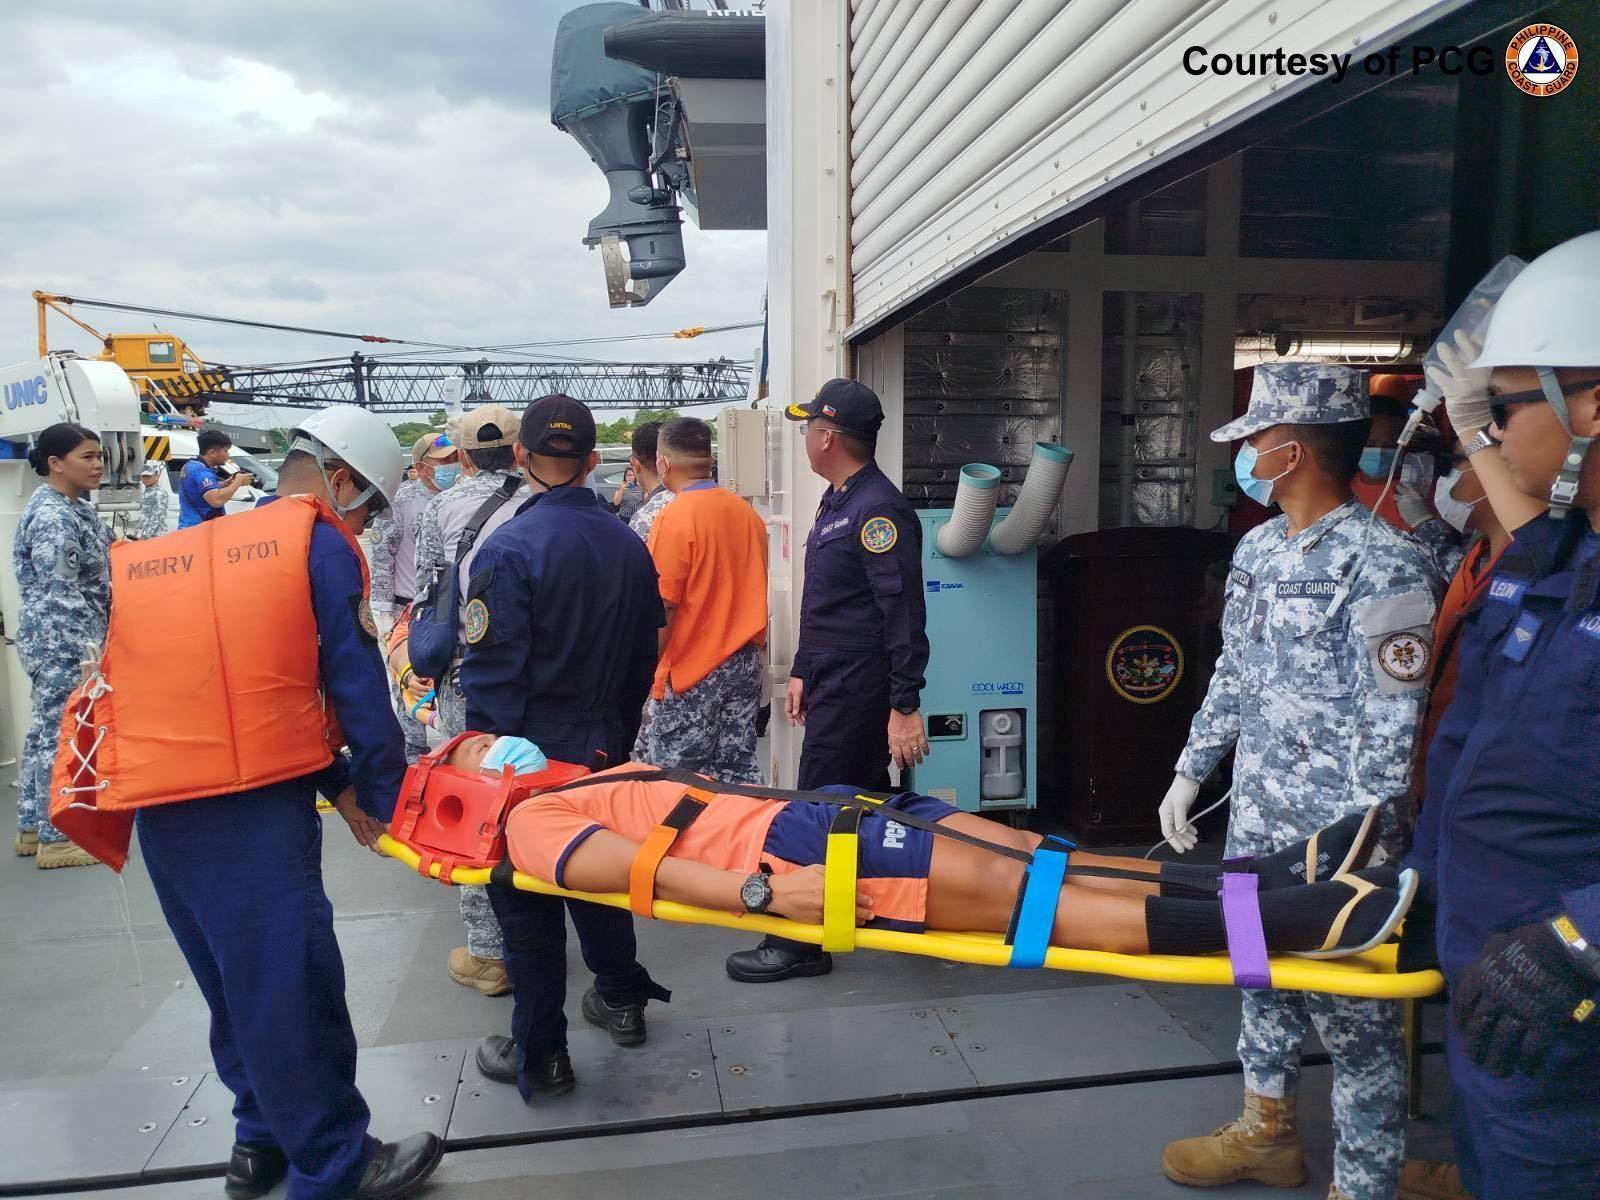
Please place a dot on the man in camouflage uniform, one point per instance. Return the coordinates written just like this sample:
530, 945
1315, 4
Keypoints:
646, 442
484, 437
152, 503
61, 558
710, 551
394, 556
1319, 689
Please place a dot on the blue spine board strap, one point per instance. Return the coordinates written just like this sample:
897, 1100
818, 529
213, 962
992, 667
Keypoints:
1036, 911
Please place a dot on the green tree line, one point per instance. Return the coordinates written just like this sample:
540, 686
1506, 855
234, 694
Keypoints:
608, 433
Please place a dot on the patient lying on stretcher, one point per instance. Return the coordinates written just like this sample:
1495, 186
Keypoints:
1319, 898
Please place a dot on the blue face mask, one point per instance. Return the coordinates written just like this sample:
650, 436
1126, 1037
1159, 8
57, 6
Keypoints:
1376, 461
521, 755
1244, 467
445, 476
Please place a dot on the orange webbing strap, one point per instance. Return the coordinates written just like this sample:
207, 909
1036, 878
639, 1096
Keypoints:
642, 874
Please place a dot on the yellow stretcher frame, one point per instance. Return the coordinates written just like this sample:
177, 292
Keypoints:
1370, 976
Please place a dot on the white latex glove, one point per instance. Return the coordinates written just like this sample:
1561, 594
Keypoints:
1175, 827
1413, 505
1465, 389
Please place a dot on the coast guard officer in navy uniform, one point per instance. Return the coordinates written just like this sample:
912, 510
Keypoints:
561, 622
239, 875
857, 678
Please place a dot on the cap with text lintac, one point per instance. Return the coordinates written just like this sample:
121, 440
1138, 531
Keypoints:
847, 403
552, 418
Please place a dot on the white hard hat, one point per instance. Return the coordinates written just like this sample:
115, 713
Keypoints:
361, 440
1550, 315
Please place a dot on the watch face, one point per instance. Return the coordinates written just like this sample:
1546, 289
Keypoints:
756, 892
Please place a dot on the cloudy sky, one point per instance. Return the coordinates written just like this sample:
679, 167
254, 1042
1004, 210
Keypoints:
386, 168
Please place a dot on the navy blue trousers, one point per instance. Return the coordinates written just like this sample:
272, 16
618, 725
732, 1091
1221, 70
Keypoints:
1529, 1137
239, 879
847, 721
535, 929
535, 926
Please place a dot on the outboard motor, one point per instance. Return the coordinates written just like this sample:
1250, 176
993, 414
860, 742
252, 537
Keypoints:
613, 109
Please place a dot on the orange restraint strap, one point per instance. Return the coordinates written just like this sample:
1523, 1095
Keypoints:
642, 874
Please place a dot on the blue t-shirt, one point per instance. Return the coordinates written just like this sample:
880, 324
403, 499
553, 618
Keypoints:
196, 481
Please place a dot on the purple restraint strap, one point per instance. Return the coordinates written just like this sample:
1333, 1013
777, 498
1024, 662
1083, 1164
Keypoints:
1241, 920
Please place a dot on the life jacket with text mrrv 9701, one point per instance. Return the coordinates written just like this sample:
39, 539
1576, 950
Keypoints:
209, 682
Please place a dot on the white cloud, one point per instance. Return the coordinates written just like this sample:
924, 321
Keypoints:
386, 169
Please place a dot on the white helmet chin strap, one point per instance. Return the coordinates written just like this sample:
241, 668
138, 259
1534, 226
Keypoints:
320, 452
1565, 489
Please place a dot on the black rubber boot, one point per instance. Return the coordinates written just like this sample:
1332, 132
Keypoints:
778, 958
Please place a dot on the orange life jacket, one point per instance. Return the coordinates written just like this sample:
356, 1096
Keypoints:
209, 683
1368, 492
1471, 578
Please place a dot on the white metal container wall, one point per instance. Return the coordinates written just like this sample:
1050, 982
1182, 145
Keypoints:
973, 120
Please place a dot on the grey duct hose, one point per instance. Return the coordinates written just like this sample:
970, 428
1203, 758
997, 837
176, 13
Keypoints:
976, 494
1040, 493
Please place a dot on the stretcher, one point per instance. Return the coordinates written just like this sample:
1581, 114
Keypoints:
450, 828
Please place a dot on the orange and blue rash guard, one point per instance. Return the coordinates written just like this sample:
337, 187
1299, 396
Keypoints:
734, 833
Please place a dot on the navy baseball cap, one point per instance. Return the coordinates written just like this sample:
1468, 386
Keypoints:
558, 416
849, 404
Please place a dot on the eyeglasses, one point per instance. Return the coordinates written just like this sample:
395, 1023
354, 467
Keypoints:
1500, 406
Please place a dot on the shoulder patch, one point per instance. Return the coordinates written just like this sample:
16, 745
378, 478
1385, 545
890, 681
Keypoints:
879, 535
1405, 656
364, 615
476, 618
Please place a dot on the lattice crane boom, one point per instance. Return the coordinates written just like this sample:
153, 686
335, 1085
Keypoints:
395, 386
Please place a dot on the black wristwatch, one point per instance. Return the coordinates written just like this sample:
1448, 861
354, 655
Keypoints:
756, 892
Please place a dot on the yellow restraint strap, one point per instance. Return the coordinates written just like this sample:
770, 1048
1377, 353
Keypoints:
839, 882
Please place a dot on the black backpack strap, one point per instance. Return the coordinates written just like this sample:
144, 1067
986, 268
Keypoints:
507, 489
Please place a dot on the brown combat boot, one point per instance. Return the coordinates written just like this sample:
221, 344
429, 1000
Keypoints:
488, 975
27, 843
50, 855
1261, 1145
1421, 1180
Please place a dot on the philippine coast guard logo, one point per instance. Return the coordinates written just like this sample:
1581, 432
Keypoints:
476, 618
1542, 59
879, 535
1404, 656
1144, 664
364, 615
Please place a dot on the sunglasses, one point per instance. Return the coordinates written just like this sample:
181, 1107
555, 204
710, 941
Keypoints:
1500, 406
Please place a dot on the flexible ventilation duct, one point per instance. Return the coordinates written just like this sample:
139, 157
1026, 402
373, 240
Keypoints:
973, 513
1041, 491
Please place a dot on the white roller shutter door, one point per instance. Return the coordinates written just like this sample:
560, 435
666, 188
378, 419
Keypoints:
974, 120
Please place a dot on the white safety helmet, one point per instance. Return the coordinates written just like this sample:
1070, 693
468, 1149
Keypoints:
359, 439
1548, 316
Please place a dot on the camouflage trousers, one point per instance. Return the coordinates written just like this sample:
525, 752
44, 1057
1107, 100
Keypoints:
416, 735
484, 938
50, 692
709, 727
1364, 1038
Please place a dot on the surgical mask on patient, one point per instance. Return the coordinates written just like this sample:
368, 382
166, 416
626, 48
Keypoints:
518, 753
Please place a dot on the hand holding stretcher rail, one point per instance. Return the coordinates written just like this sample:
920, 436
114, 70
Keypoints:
623, 837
